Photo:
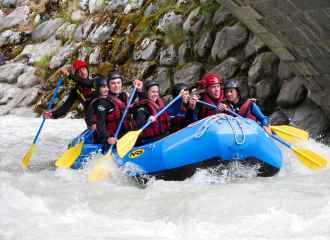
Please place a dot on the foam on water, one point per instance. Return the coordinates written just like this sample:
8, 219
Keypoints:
45, 202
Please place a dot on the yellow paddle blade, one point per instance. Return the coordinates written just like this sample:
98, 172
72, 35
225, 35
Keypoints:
291, 134
69, 156
26, 159
310, 159
99, 173
127, 142
108, 155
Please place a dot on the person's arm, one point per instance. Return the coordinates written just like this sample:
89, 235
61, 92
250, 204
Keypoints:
175, 110
67, 105
85, 82
142, 116
102, 108
90, 117
258, 114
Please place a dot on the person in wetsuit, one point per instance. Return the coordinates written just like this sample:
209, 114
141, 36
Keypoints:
82, 90
243, 106
108, 108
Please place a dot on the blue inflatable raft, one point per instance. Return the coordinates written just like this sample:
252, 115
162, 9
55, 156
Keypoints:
216, 140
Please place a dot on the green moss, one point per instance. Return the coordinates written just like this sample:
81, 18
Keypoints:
145, 23
42, 66
105, 68
232, 22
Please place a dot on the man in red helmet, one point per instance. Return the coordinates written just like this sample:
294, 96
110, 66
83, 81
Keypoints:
82, 91
212, 95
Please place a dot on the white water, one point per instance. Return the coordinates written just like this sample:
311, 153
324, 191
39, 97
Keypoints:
44, 202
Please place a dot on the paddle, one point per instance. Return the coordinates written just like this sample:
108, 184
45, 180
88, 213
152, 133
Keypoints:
307, 157
98, 171
288, 133
71, 155
127, 142
26, 159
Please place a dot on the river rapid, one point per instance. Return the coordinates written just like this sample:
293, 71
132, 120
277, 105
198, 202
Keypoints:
45, 202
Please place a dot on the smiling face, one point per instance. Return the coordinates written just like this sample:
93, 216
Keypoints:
83, 73
115, 86
214, 90
104, 90
231, 95
153, 93
186, 96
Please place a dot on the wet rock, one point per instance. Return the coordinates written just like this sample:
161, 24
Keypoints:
10, 36
14, 3
45, 30
62, 56
95, 6
278, 118
82, 30
189, 74
310, 117
264, 65
162, 77
267, 93
284, 72
10, 72
169, 18
204, 44
24, 112
150, 9
225, 70
254, 45
47, 47
102, 31
195, 21
96, 56
26, 53
27, 80
147, 50
221, 16
228, 39
168, 56
78, 15
17, 17
292, 93
184, 52
117, 6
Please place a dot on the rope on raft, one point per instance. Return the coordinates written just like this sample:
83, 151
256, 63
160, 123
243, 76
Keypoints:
211, 119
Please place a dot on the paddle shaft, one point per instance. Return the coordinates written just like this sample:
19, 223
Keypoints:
122, 119
49, 107
163, 110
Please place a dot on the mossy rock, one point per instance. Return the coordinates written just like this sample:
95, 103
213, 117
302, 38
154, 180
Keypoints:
105, 68
124, 50
131, 20
147, 21
75, 53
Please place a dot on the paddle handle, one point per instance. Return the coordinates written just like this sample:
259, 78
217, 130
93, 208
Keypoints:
205, 103
284, 143
163, 110
50, 105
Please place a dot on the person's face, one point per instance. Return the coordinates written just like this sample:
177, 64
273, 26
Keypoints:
115, 85
186, 96
153, 93
83, 73
231, 95
104, 90
214, 90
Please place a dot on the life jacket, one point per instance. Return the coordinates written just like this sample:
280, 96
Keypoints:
178, 123
206, 110
112, 120
158, 127
245, 109
84, 95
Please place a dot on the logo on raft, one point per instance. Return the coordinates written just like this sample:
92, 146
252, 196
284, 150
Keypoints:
136, 153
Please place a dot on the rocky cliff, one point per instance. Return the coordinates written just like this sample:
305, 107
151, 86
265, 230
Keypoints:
169, 41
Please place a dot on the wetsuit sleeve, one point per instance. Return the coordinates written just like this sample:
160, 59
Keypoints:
84, 82
102, 108
140, 95
142, 116
258, 114
90, 118
67, 104
175, 110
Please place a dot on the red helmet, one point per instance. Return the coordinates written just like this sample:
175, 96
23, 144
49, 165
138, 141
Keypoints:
78, 65
210, 79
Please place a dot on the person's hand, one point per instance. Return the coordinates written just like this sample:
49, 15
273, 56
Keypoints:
152, 118
93, 126
139, 85
267, 130
192, 101
64, 72
112, 140
47, 115
221, 108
